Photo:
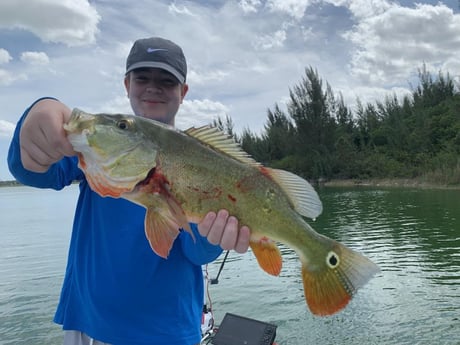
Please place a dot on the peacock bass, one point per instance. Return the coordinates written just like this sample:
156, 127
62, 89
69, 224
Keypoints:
179, 176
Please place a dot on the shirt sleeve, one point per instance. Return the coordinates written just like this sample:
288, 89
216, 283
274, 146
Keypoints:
59, 175
198, 250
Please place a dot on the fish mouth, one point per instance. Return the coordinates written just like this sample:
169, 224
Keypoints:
80, 123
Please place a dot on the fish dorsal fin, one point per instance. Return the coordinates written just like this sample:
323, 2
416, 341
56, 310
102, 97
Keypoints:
302, 195
221, 142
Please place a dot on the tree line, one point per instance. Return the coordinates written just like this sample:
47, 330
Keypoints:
319, 137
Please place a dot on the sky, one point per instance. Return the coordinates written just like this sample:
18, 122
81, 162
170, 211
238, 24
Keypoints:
243, 55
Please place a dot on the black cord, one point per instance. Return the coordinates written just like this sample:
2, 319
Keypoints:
216, 279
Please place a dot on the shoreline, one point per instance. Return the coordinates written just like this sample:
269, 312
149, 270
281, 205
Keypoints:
11, 183
387, 183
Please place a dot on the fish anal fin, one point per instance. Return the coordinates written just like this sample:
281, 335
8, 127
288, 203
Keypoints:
268, 255
329, 287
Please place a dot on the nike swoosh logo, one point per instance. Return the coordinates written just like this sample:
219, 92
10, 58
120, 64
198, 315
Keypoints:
152, 50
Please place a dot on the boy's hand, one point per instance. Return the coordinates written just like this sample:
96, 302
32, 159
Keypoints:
42, 138
222, 229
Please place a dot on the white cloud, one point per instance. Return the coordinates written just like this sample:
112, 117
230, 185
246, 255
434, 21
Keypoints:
294, 8
367, 94
5, 56
243, 56
452, 65
174, 9
391, 44
368, 8
118, 105
199, 112
249, 6
6, 129
73, 22
195, 77
35, 58
270, 41
7, 78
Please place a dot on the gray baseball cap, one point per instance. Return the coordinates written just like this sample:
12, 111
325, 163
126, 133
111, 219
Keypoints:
157, 52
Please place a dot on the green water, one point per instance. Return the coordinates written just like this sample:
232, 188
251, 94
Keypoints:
413, 235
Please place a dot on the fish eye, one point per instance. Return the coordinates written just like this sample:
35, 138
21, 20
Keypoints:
123, 124
332, 260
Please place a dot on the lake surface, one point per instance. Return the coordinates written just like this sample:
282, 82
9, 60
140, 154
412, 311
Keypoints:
413, 235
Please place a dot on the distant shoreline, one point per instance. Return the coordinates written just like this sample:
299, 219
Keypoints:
388, 183
10, 183
15, 183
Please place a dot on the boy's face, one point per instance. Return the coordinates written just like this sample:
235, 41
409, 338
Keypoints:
155, 93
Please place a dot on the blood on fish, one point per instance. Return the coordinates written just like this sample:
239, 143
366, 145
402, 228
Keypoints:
155, 182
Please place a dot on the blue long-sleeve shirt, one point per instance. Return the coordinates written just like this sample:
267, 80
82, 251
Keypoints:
116, 289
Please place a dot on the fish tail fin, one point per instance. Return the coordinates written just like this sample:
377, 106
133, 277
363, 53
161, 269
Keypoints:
329, 287
267, 254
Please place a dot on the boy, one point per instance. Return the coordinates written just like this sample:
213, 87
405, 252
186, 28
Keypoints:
116, 290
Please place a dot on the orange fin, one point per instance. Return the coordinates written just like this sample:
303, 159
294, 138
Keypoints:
268, 255
330, 286
161, 232
163, 219
164, 216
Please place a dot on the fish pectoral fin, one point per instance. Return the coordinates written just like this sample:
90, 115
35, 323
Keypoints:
268, 255
329, 287
163, 221
161, 231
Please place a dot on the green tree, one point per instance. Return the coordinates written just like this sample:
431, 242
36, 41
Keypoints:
310, 108
226, 126
319, 137
278, 133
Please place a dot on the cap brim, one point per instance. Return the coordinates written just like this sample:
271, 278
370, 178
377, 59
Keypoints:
155, 64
